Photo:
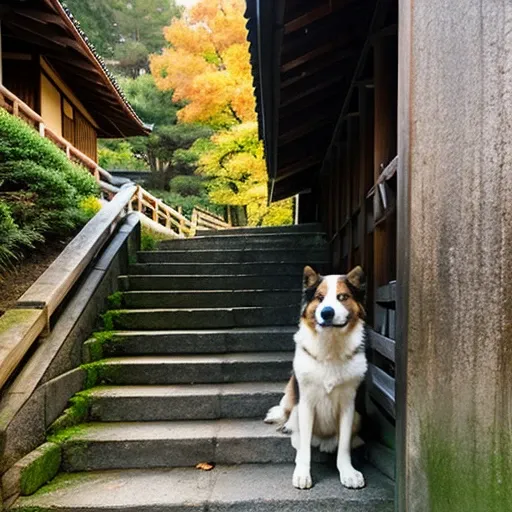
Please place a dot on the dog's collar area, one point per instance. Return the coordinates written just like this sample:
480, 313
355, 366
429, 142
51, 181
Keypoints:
349, 356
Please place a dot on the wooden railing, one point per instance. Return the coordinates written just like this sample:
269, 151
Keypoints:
156, 210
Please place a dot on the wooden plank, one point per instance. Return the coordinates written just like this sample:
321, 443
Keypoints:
386, 293
53, 285
382, 344
296, 167
19, 328
382, 389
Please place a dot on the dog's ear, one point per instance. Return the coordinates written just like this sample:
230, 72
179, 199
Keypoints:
356, 278
311, 278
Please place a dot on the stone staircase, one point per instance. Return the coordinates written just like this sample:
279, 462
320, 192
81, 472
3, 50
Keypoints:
199, 347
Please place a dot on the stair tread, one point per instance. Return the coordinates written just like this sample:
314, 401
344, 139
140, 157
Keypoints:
182, 390
238, 357
239, 330
228, 308
220, 290
206, 276
133, 431
261, 487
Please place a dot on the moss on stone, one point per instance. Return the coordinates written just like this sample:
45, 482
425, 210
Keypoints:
76, 413
464, 477
13, 317
101, 342
41, 470
116, 300
61, 481
66, 434
99, 373
109, 319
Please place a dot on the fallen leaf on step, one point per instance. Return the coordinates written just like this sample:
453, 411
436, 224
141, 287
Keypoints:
205, 466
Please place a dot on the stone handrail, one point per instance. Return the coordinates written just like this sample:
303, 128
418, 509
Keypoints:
20, 327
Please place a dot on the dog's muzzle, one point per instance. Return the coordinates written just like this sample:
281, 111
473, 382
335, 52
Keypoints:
327, 315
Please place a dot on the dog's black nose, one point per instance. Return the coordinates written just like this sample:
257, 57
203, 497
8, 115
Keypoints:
327, 313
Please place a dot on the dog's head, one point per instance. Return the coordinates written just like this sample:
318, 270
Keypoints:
334, 301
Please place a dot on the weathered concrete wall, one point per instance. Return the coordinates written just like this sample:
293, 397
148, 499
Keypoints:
455, 144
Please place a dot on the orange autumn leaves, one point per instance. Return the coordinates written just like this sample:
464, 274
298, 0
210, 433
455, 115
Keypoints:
208, 64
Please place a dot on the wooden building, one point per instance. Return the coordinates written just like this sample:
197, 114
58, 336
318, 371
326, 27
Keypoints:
48, 63
392, 120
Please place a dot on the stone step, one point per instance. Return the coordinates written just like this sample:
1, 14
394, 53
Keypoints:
244, 488
289, 241
184, 402
190, 369
203, 318
218, 341
304, 256
210, 298
263, 268
202, 282
165, 444
267, 230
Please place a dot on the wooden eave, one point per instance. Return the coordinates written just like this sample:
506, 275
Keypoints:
45, 28
320, 43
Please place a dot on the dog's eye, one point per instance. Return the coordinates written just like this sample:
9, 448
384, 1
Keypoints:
342, 297
319, 297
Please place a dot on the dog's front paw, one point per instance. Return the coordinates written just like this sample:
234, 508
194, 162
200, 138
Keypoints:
302, 478
352, 479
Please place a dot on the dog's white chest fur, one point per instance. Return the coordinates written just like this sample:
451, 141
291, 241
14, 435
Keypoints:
321, 365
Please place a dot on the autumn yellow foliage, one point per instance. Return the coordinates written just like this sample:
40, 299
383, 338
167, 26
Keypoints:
208, 64
237, 175
208, 67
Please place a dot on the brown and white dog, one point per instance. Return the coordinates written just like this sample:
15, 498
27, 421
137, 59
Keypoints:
318, 406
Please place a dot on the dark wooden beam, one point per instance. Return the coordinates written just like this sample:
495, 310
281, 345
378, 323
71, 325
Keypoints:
317, 66
295, 183
328, 8
312, 90
340, 29
81, 64
308, 105
297, 167
18, 34
309, 114
305, 129
40, 16
306, 57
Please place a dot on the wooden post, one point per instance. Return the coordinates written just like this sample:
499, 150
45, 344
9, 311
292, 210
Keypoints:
454, 299
182, 222
193, 227
139, 199
385, 77
155, 210
42, 130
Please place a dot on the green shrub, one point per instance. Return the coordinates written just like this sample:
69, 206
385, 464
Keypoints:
90, 206
12, 239
187, 185
149, 239
40, 198
41, 191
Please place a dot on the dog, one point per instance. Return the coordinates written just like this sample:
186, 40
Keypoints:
318, 406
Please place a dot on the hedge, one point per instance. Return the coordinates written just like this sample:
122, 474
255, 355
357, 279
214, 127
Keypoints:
42, 193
